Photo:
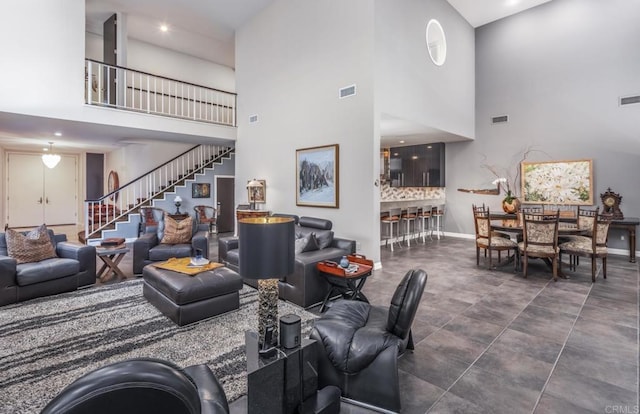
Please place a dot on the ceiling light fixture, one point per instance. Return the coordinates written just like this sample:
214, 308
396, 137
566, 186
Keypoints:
164, 28
50, 160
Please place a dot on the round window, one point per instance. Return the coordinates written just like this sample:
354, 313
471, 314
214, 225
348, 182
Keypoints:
436, 42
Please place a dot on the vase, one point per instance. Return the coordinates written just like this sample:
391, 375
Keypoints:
510, 205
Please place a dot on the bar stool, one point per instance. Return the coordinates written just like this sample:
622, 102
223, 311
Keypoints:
408, 218
424, 215
392, 217
437, 220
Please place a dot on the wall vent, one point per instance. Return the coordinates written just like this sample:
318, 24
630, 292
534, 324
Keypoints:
347, 91
499, 119
627, 100
253, 119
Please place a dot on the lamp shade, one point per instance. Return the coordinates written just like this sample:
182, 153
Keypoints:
266, 247
254, 184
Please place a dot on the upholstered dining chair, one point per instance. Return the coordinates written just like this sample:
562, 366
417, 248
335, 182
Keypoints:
489, 240
593, 247
206, 215
359, 344
142, 386
540, 240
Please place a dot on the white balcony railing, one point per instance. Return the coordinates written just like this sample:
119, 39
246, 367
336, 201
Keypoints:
132, 90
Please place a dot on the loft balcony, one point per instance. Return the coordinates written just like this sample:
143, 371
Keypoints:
132, 90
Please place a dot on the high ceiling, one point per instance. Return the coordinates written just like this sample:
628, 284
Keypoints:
205, 29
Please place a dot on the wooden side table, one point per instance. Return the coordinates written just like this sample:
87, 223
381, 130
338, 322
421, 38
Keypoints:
111, 258
345, 281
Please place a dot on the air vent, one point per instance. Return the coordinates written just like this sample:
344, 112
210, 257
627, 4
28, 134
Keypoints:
628, 100
499, 119
253, 119
347, 91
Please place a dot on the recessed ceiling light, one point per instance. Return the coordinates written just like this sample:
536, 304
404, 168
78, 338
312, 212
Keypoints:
402, 141
57, 134
164, 28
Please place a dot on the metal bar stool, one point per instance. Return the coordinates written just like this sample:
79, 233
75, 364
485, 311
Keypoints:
409, 218
424, 215
392, 217
437, 220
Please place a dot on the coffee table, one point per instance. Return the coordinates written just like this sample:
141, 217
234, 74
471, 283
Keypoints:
111, 258
344, 281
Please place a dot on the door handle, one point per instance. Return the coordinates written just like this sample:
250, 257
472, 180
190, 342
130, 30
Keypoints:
40, 200
46, 200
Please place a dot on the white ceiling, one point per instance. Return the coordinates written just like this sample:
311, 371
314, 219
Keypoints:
204, 29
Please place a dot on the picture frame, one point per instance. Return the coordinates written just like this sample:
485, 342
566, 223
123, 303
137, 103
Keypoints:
200, 190
557, 182
260, 193
318, 176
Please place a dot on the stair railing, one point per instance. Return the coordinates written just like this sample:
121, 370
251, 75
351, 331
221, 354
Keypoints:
103, 212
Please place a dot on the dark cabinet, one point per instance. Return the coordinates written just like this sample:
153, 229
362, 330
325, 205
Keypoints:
417, 166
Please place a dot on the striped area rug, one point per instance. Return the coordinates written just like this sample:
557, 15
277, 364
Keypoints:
47, 343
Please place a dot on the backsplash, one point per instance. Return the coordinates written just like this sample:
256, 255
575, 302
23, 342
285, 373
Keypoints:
388, 193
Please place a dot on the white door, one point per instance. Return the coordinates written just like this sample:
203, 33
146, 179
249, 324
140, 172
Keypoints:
60, 199
37, 194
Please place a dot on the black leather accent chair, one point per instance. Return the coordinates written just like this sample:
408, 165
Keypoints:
147, 248
142, 386
359, 344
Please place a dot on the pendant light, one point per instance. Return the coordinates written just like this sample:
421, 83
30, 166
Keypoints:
50, 159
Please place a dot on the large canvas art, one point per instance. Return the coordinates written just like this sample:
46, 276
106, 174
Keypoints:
558, 182
317, 176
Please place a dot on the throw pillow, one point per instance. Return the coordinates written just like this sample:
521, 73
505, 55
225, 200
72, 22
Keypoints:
306, 243
177, 232
33, 246
325, 238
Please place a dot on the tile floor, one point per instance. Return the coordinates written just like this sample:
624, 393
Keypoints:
490, 341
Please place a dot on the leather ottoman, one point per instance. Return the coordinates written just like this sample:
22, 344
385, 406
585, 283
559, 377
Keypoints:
186, 299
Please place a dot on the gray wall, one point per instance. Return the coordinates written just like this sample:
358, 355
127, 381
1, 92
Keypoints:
291, 60
557, 70
408, 85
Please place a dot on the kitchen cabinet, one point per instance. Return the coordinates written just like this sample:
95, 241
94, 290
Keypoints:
417, 165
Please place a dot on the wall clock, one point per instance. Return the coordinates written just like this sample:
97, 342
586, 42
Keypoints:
611, 202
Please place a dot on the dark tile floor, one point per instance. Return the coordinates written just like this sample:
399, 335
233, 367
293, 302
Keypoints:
490, 341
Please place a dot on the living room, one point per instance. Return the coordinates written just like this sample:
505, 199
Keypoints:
557, 70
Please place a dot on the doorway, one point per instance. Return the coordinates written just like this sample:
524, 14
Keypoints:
225, 200
37, 194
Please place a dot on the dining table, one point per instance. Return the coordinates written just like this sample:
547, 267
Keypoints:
512, 223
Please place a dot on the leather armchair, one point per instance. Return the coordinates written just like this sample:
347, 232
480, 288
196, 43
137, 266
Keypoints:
74, 267
148, 249
359, 344
142, 386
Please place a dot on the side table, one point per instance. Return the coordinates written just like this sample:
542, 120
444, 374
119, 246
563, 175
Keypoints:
111, 258
349, 282
179, 216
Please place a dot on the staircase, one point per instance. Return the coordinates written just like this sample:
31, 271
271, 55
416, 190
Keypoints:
103, 214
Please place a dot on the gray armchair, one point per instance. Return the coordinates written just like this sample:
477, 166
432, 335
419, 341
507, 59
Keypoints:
359, 344
148, 247
74, 267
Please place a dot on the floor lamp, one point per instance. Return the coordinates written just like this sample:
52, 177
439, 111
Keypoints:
266, 252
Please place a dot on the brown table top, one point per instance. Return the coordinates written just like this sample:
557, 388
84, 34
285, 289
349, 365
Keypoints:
365, 266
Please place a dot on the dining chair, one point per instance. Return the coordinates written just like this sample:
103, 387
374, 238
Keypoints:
540, 240
585, 222
489, 240
593, 247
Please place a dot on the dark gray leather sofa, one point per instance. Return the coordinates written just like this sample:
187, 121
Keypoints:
147, 248
304, 287
74, 267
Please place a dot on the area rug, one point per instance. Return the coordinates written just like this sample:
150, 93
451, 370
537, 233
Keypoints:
47, 343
